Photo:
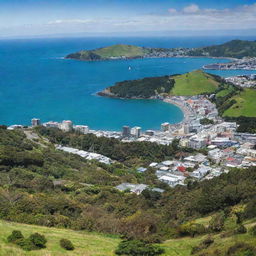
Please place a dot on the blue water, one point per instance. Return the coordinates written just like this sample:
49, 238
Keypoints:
36, 82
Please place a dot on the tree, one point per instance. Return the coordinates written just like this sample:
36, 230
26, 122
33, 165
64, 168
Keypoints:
138, 248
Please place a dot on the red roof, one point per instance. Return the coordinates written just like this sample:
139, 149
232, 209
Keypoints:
181, 168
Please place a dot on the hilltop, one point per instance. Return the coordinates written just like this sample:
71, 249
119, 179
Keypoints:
232, 49
192, 83
111, 52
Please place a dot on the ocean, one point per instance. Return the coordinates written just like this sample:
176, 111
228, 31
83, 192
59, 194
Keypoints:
35, 81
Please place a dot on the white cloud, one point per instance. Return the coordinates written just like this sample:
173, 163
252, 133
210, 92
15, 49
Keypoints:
172, 10
193, 8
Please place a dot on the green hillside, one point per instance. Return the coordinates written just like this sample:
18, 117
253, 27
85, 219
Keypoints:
245, 104
85, 243
194, 83
234, 48
114, 51
93, 244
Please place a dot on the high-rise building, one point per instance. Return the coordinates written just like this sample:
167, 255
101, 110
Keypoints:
35, 122
165, 127
136, 131
126, 131
66, 125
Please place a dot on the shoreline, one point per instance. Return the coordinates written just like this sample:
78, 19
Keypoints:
170, 100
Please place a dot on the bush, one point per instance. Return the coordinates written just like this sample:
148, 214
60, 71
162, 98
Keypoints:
67, 244
241, 249
138, 248
191, 229
203, 245
15, 236
241, 230
38, 240
217, 223
253, 230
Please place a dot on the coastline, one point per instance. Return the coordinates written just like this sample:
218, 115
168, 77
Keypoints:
186, 112
169, 99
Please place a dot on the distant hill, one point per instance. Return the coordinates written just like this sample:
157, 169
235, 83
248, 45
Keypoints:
232, 49
111, 52
193, 83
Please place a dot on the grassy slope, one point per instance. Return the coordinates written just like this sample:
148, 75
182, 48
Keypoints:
90, 244
86, 244
193, 83
118, 50
245, 106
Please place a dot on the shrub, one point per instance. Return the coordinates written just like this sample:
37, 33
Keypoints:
191, 229
67, 244
38, 240
241, 249
15, 236
138, 248
253, 230
241, 230
203, 245
217, 223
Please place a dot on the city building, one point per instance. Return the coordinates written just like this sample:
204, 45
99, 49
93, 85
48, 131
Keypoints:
126, 131
165, 127
35, 122
136, 131
81, 128
66, 125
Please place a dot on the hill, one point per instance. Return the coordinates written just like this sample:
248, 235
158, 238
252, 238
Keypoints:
192, 83
232, 49
111, 52
85, 243
244, 104
93, 244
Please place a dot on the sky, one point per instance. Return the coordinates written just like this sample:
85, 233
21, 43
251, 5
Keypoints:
21, 18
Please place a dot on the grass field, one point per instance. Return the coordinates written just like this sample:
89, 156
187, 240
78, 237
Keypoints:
245, 106
194, 83
86, 244
92, 244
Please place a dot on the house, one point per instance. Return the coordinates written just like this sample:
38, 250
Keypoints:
141, 169
134, 188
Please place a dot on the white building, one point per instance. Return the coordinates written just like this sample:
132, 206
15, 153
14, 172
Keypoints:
136, 131
82, 128
165, 127
35, 122
66, 125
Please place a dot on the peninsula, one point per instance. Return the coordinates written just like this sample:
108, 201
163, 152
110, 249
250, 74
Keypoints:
233, 49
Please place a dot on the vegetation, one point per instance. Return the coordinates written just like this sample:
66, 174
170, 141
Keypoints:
114, 51
143, 88
194, 83
33, 242
206, 121
66, 244
244, 104
234, 49
138, 248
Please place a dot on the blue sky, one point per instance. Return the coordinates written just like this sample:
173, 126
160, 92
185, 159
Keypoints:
49, 17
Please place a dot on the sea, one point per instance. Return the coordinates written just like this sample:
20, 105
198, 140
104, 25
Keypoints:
36, 81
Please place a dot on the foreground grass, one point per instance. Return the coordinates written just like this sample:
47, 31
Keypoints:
194, 83
245, 106
86, 244
92, 244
